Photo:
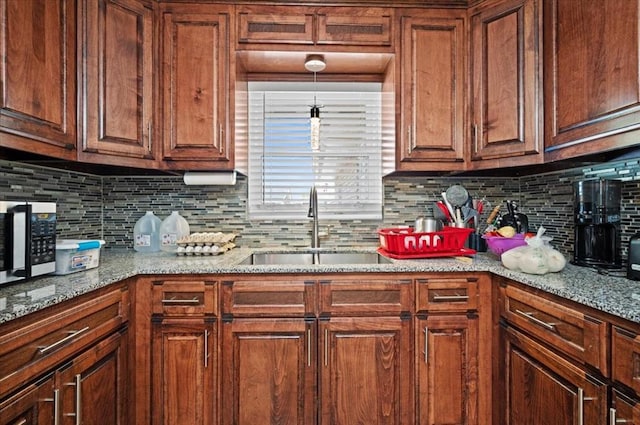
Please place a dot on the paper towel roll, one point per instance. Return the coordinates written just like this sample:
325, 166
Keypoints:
210, 178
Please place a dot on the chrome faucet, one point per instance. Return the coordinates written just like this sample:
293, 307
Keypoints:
313, 213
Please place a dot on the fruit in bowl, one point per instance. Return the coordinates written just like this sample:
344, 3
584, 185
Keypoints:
504, 239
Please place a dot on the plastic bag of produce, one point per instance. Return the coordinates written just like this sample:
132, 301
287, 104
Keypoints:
537, 257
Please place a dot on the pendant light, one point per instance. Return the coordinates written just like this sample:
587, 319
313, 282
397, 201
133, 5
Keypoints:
315, 64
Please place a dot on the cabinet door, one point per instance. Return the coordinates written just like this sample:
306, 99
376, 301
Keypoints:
195, 77
544, 388
592, 76
93, 387
184, 362
432, 110
289, 25
37, 76
269, 368
117, 37
507, 84
447, 370
351, 26
34, 405
365, 371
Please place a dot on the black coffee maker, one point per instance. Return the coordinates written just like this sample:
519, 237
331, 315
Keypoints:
596, 208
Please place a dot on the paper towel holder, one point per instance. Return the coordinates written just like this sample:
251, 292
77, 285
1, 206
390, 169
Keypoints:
209, 178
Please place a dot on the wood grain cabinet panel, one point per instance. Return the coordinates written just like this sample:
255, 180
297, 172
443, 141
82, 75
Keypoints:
506, 77
592, 76
34, 405
365, 367
365, 296
447, 369
117, 82
37, 76
446, 294
291, 25
542, 387
578, 335
269, 371
184, 356
624, 410
195, 88
366, 26
38, 346
430, 135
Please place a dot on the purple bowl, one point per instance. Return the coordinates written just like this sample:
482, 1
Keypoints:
499, 244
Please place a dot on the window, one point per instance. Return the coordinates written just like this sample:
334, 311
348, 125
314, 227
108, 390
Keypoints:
346, 169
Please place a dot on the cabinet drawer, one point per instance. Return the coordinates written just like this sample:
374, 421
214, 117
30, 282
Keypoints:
344, 26
294, 26
365, 296
457, 294
624, 410
37, 346
269, 296
180, 298
625, 357
577, 335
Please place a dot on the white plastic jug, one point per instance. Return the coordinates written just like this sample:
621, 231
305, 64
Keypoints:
146, 233
172, 229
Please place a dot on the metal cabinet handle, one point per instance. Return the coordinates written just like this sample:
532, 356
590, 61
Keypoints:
581, 400
426, 344
72, 334
309, 347
206, 348
442, 298
78, 384
56, 406
549, 326
174, 301
149, 135
221, 139
326, 347
475, 138
613, 420
22, 422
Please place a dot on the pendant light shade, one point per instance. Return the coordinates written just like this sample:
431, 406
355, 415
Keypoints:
315, 63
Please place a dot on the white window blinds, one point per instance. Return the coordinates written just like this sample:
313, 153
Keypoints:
346, 169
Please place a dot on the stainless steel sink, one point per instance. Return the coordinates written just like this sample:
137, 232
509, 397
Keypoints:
297, 258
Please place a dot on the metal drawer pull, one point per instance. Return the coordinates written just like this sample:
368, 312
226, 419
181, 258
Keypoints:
550, 326
426, 344
72, 334
450, 298
326, 347
613, 420
56, 406
22, 422
78, 415
174, 301
581, 400
309, 347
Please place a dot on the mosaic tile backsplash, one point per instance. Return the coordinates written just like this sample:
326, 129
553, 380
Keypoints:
108, 207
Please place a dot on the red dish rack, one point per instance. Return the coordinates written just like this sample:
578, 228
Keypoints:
404, 243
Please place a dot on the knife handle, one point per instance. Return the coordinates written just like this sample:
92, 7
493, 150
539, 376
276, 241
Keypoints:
493, 214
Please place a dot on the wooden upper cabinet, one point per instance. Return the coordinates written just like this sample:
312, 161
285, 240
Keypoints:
116, 81
282, 25
37, 77
305, 26
430, 136
364, 26
592, 76
506, 77
196, 87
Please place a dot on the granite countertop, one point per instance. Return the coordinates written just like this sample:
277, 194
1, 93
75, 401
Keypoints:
614, 295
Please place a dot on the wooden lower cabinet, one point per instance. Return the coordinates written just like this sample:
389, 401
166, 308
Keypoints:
269, 371
365, 370
544, 388
90, 390
447, 369
184, 353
